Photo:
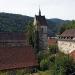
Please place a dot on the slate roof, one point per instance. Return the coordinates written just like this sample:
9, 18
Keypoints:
41, 20
17, 57
69, 32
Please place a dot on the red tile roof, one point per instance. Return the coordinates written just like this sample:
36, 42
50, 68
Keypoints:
52, 41
17, 57
69, 32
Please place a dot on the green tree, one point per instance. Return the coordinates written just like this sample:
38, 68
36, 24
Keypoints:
31, 33
69, 25
62, 64
44, 63
53, 49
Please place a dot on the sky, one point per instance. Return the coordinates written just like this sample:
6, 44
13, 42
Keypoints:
63, 9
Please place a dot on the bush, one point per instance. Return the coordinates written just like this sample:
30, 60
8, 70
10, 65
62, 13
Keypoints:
53, 49
44, 64
63, 64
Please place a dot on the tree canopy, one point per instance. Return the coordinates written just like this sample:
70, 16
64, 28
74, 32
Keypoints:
68, 25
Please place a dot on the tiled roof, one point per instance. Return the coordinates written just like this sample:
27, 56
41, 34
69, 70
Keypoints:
69, 32
17, 57
41, 20
52, 41
12, 36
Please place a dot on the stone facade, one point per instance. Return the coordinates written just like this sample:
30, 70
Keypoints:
43, 37
66, 46
41, 27
66, 41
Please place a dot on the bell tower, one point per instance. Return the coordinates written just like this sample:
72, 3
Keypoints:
40, 24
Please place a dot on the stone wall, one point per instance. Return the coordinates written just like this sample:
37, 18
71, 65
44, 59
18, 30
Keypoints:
66, 46
43, 39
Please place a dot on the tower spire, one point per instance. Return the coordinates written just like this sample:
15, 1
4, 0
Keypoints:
39, 12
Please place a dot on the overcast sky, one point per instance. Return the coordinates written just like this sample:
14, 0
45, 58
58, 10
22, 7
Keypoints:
63, 9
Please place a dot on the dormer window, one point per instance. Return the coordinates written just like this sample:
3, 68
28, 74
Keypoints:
64, 37
67, 37
71, 37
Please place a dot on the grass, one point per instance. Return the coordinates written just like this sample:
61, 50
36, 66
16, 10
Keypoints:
44, 73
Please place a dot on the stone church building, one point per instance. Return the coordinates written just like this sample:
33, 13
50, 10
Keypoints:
40, 24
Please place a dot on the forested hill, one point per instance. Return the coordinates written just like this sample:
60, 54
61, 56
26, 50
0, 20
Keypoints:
17, 23
13, 22
55, 24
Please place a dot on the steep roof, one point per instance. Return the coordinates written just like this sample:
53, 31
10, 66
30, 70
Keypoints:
17, 57
12, 36
69, 32
41, 20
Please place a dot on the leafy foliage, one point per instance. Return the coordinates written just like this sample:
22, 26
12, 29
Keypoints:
69, 25
31, 33
57, 63
53, 49
46, 58
18, 23
63, 64
44, 64
13, 22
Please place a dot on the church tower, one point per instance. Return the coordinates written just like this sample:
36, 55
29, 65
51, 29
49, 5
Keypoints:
41, 29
